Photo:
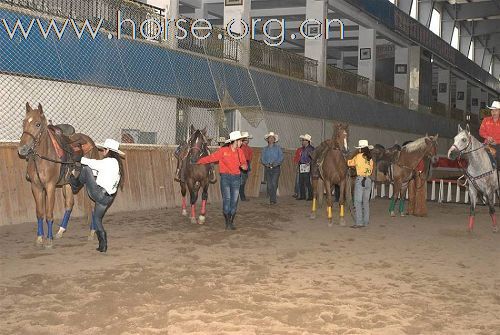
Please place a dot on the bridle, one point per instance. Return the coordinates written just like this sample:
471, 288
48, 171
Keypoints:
196, 149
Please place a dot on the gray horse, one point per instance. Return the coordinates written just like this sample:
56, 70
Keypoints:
481, 175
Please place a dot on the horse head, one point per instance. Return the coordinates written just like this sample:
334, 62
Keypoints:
340, 135
461, 143
197, 144
34, 124
431, 153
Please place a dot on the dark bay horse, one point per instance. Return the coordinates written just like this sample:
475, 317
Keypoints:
195, 176
481, 176
47, 170
404, 167
329, 164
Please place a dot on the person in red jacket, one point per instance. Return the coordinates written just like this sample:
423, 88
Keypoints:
490, 129
231, 161
248, 155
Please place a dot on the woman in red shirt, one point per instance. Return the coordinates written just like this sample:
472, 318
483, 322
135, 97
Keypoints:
231, 161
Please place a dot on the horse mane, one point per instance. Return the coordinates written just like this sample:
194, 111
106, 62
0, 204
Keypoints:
418, 144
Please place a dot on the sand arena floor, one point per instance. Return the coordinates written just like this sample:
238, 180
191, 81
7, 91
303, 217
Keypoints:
278, 273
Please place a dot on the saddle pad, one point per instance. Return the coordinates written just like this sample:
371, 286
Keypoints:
55, 143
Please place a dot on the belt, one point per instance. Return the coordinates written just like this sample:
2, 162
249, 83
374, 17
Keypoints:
273, 167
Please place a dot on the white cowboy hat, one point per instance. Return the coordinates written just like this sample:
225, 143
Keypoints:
363, 144
306, 137
495, 105
111, 145
245, 134
234, 136
221, 140
276, 138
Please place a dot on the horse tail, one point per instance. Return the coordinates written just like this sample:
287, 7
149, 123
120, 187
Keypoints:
348, 192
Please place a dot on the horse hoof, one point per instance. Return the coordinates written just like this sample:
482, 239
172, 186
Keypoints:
184, 212
342, 222
60, 232
91, 236
201, 219
48, 243
393, 214
330, 224
312, 216
193, 220
39, 241
495, 229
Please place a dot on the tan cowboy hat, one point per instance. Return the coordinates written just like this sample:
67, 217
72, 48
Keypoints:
111, 145
495, 105
306, 137
363, 144
276, 137
234, 136
245, 134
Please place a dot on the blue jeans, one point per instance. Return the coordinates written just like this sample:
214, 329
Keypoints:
102, 199
244, 178
362, 200
230, 190
272, 179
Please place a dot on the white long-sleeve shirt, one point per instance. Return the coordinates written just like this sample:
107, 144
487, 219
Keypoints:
108, 172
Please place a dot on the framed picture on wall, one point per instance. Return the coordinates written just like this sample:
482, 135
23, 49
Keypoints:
365, 53
233, 2
443, 87
401, 68
460, 95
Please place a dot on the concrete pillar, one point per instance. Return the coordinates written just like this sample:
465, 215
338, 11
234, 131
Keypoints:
461, 95
201, 12
317, 48
171, 8
401, 73
367, 56
496, 68
475, 97
414, 77
240, 15
425, 11
444, 90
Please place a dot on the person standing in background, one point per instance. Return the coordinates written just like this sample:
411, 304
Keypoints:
272, 157
303, 160
248, 155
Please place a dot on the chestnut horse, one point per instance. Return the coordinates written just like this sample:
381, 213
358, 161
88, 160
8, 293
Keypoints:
329, 164
195, 176
403, 170
47, 170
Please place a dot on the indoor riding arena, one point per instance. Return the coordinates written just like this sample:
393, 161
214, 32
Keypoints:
302, 264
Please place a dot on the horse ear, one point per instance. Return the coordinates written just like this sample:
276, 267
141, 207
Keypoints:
204, 131
40, 110
459, 128
191, 130
436, 137
28, 107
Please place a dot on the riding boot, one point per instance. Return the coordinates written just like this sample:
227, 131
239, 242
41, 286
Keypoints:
75, 183
227, 219
99, 238
103, 241
231, 220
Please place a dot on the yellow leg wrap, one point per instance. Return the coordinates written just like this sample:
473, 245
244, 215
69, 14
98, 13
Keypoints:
314, 205
341, 211
329, 212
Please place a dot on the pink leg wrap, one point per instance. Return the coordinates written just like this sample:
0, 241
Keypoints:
183, 203
193, 211
471, 222
203, 207
494, 219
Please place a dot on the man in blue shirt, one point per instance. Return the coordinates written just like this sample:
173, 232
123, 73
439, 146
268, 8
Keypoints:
271, 158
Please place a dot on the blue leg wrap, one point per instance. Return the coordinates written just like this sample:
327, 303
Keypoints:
65, 220
92, 223
49, 228
40, 227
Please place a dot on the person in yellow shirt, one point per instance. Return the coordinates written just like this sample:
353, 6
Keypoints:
363, 163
